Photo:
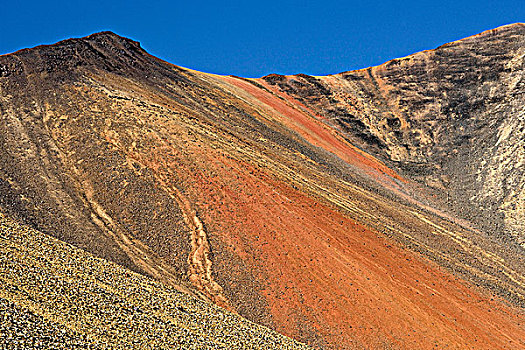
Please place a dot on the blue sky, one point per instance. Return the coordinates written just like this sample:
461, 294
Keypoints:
254, 38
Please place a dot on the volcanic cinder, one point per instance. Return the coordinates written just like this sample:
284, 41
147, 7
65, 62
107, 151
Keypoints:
382, 208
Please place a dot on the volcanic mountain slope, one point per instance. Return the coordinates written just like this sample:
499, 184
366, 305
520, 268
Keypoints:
250, 194
451, 118
55, 296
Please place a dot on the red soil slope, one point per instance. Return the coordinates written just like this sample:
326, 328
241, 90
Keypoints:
235, 192
330, 275
317, 133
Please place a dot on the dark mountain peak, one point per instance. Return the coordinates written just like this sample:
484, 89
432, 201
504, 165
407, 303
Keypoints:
104, 38
104, 50
104, 33
111, 45
107, 38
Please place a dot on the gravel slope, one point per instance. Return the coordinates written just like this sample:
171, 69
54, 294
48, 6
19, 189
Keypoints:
55, 296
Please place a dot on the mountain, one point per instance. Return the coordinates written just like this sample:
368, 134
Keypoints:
451, 119
376, 209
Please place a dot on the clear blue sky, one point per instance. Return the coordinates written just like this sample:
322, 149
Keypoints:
253, 38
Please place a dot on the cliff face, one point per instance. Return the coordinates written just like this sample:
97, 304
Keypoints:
450, 118
322, 207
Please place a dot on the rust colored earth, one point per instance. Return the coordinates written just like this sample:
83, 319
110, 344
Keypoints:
317, 206
325, 274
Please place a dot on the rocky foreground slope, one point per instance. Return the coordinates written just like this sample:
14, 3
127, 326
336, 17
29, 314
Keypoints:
292, 201
55, 296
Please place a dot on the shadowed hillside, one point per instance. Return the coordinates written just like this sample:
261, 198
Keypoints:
305, 204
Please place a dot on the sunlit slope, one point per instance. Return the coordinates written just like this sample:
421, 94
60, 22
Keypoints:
236, 192
451, 119
53, 295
